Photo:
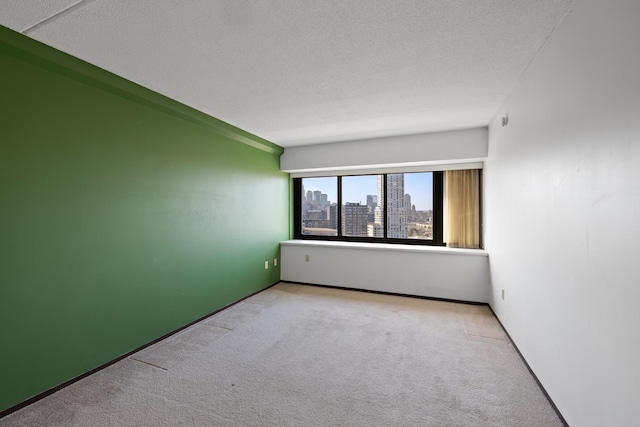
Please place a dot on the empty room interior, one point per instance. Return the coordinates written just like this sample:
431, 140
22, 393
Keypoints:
357, 167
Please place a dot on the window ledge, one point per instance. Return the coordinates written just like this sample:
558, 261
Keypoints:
386, 247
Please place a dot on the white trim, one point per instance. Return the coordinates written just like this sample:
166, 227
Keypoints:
390, 168
461, 146
386, 247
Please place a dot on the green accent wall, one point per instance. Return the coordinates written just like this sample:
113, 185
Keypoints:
124, 215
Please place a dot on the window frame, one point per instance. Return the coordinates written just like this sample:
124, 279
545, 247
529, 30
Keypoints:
438, 200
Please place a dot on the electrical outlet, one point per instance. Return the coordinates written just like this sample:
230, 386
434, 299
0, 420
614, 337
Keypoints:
275, 262
502, 293
266, 265
306, 258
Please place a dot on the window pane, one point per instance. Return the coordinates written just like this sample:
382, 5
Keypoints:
418, 204
360, 205
319, 206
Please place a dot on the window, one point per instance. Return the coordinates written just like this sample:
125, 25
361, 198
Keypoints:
319, 210
359, 205
418, 202
430, 208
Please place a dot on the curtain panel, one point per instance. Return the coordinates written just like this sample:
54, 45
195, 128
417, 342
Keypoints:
462, 208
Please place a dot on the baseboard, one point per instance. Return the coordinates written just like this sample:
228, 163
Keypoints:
59, 387
65, 384
396, 294
535, 377
533, 374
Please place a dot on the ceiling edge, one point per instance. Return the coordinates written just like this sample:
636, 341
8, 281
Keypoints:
25, 49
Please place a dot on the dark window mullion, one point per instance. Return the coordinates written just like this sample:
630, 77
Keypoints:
297, 207
480, 218
384, 199
339, 207
438, 205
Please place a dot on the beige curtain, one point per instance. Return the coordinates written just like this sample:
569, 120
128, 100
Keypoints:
462, 208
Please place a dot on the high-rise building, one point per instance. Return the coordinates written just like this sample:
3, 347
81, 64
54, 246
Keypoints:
354, 220
372, 202
396, 211
407, 201
333, 216
323, 201
407, 208
379, 209
375, 230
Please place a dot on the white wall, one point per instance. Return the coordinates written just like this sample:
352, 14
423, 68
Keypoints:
428, 148
405, 269
562, 187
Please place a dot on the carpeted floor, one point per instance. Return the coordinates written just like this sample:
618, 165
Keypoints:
297, 355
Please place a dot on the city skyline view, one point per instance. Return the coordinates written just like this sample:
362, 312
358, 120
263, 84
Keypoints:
370, 207
355, 189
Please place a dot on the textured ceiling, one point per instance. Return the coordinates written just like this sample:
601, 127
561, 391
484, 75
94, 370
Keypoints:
308, 71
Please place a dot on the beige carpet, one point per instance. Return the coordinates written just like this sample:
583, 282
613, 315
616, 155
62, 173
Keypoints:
297, 355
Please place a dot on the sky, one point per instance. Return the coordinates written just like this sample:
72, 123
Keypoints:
356, 188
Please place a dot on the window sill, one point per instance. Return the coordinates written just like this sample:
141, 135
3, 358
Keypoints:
386, 247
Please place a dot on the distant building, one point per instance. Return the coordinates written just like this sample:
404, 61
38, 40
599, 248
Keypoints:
354, 220
375, 230
396, 212
315, 219
316, 214
333, 216
323, 201
372, 202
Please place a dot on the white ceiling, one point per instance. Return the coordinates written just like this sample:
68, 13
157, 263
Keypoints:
300, 72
